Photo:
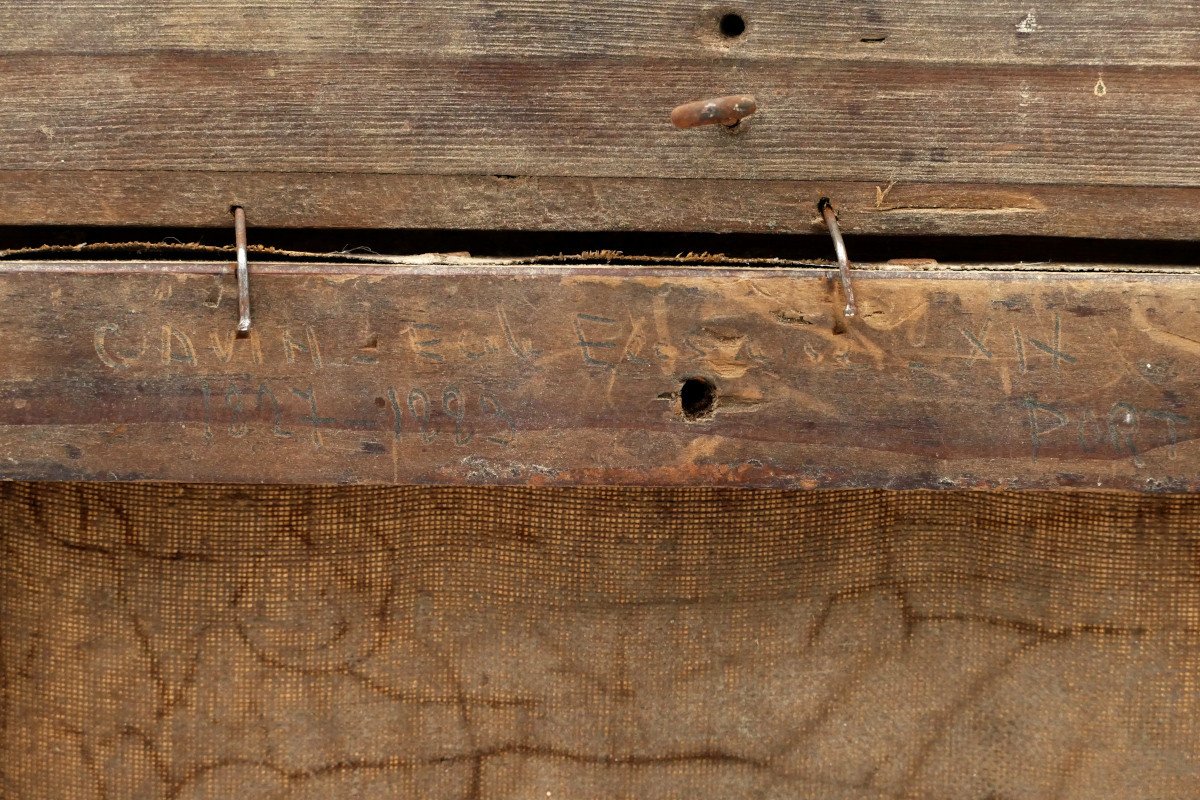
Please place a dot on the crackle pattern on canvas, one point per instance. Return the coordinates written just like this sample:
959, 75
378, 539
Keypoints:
214, 642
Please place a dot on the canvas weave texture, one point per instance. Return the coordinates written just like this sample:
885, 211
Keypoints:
479, 643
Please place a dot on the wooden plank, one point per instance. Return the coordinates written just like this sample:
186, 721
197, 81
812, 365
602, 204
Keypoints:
561, 375
989, 104
598, 118
278, 199
1097, 32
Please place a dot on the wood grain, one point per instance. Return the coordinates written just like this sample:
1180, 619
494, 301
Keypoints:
1097, 32
979, 100
566, 375
168, 199
595, 118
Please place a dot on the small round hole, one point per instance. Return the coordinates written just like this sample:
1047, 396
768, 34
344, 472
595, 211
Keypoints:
697, 397
733, 25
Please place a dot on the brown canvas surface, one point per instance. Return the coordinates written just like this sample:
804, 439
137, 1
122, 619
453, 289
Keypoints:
296, 642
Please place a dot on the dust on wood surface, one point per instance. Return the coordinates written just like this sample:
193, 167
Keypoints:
926, 117
592, 374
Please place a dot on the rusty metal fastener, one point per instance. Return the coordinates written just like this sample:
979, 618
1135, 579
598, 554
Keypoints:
243, 269
727, 111
843, 260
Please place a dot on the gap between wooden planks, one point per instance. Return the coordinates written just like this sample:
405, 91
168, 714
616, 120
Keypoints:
571, 374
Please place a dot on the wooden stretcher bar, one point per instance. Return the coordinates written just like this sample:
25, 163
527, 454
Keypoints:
915, 117
593, 374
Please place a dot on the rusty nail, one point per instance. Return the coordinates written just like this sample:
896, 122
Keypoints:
243, 269
727, 111
839, 246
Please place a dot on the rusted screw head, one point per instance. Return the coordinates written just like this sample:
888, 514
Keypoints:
727, 111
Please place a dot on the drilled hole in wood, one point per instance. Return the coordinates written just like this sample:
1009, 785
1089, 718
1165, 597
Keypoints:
732, 25
697, 398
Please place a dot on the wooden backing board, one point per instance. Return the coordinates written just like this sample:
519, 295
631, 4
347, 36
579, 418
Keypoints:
561, 375
926, 116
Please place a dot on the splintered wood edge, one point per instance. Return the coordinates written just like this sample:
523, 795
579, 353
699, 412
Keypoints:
594, 374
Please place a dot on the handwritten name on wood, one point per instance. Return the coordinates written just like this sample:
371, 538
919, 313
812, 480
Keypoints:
572, 375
